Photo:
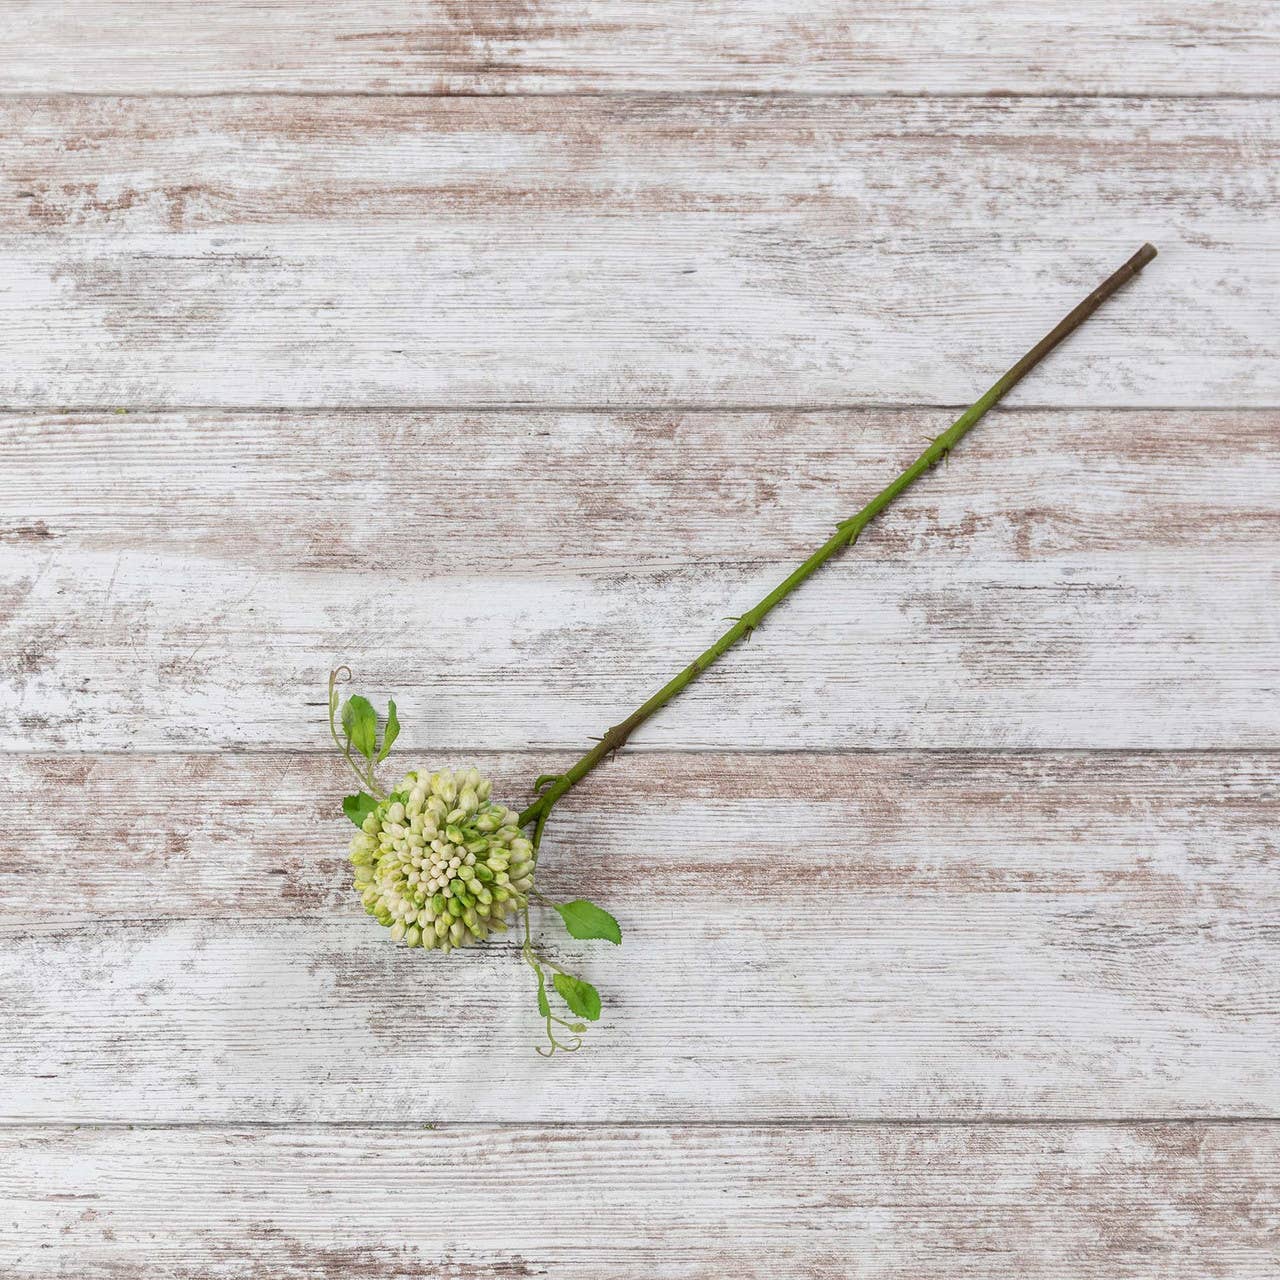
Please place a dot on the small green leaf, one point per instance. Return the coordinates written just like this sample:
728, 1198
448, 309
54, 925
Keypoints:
543, 1007
392, 731
584, 919
358, 807
360, 721
580, 996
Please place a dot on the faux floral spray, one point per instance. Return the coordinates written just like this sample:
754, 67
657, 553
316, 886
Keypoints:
443, 865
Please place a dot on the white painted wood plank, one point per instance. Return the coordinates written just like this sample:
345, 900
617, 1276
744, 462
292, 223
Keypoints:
1067, 580
593, 251
1164, 1202
478, 46
858, 936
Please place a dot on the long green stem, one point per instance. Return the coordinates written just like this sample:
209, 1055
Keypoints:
845, 535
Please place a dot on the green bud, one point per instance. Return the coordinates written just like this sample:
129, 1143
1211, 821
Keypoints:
431, 822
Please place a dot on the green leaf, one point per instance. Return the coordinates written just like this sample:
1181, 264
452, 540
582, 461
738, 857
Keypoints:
360, 721
392, 732
358, 807
580, 996
543, 1007
584, 919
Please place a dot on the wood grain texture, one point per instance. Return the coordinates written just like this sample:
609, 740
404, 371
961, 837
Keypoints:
539, 46
634, 251
1045, 1203
850, 936
980, 1013
516, 580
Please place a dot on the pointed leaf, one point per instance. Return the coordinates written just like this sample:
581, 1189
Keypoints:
543, 1007
360, 721
392, 731
584, 919
580, 996
358, 807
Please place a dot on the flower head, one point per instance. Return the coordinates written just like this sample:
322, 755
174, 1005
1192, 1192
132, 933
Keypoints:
439, 864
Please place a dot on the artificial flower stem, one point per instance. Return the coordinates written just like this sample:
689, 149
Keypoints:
846, 534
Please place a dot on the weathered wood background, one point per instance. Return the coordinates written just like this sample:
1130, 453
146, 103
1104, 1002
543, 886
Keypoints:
502, 347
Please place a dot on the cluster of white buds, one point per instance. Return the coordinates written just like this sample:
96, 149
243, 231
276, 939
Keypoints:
440, 865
